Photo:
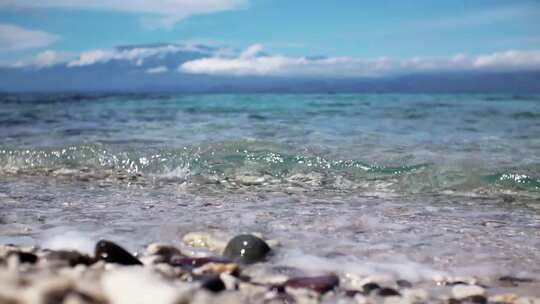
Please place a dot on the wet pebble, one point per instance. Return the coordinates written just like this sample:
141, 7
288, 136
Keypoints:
388, 292
72, 258
369, 287
248, 180
163, 253
191, 263
213, 284
352, 293
510, 281
246, 249
476, 299
320, 284
24, 257
228, 268
111, 253
404, 284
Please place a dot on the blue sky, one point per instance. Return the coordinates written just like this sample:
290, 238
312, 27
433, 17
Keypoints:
397, 30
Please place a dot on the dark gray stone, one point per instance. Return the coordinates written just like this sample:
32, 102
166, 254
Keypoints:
246, 249
111, 253
213, 284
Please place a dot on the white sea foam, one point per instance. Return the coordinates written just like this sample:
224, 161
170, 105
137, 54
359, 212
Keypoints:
400, 268
181, 172
70, 240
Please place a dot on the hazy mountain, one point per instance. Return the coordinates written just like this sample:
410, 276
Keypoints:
154, 67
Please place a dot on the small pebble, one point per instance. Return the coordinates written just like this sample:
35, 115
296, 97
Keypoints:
24, 257
388, 292
192, 263
231, 282
527, 300
132, 285
369, 287
510, 281
404, 284
248, 180
72, 258
112, 253
352, 293
213, 284
503, 298
246, 249
415, 295
465, 291
477, 299
228, 268
319, 284
165, 252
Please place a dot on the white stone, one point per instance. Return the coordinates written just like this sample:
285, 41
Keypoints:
44, 287
394, 300
204, 239
415, 295
248, 180
464, 291
527, 300
229, 281
135, 285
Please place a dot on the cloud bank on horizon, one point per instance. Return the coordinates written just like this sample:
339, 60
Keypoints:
249, 63
253, 61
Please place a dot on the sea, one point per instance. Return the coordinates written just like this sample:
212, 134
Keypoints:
414, 186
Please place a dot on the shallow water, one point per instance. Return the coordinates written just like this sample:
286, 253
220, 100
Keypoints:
412, 186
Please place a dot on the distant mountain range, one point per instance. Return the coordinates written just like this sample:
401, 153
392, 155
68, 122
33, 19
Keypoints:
154, 68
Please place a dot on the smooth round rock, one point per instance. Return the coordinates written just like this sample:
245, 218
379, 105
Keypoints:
111, 253
246, 249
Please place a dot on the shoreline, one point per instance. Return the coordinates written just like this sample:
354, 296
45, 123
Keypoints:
166, 274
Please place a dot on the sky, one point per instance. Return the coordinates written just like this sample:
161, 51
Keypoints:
278, 37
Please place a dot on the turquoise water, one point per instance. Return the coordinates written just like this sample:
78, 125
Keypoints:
375, 175
436, 142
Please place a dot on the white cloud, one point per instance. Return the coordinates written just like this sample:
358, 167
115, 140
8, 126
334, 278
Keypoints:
250, 63
92, 57
157, 70
44, 59
13, 37
251, 51
170, 11
509, 59
137, 55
